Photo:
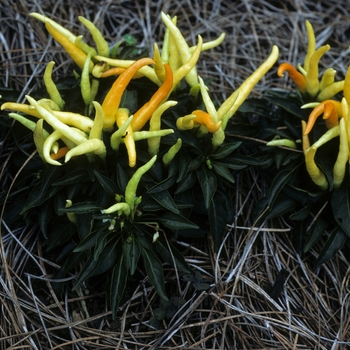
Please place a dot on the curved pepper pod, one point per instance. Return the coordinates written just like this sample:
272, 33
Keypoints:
173, 150
128, 138
186, 122
203, 118
47, 147
112, 100
131, 187
117, 136
247, 86
64, 31
331, 110
311, 44
312, 82
94, 146
305, 137
145, 71
283, 143
297, 78
182, 47
330, 91
85, 85
155, 125
187, 67
339, 168
101, 43
38, 137
97, 127
317, 176
74, 119
327, 78
142, 116
347, 86
50, 118
76, 54
51, 87
120, 208
209, 105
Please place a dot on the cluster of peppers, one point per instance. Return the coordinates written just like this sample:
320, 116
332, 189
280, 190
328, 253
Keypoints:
75, 135
320, 95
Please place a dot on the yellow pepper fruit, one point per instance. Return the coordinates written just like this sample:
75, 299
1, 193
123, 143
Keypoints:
76, 54
314, 171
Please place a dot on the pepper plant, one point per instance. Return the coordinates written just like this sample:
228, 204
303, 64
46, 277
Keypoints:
134, 154
310, 181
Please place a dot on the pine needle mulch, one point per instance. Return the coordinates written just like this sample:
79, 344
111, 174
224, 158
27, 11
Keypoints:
259, 293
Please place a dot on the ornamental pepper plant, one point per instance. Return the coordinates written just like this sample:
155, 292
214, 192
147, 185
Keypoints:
310, 172
134, 152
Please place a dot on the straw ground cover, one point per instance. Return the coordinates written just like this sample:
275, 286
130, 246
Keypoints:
232, 304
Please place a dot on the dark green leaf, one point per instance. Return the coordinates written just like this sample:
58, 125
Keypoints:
107, 184
45, 215
122, 178
218, 219
84, 224
316, 232
334, 243
188, 182
131, 253
163, 185
279, 156
73, 260
281, 207
279, 181
293, 156
231, 163
87, 270
149, 204
154, 270
100, 245
291, 106
81, 208
298, 236
172, 257
176, 221
107, 259
293, 128
302, 214
72, 178
59, 232
208, 183
129, 100
184, 163
223, 171
41, 193
253, 161
195, 164
164, 199
88, 242
225, 150
117, 286
341, 206
254, 106
301, 195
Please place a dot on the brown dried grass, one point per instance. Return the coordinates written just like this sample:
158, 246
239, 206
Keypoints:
313, 309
